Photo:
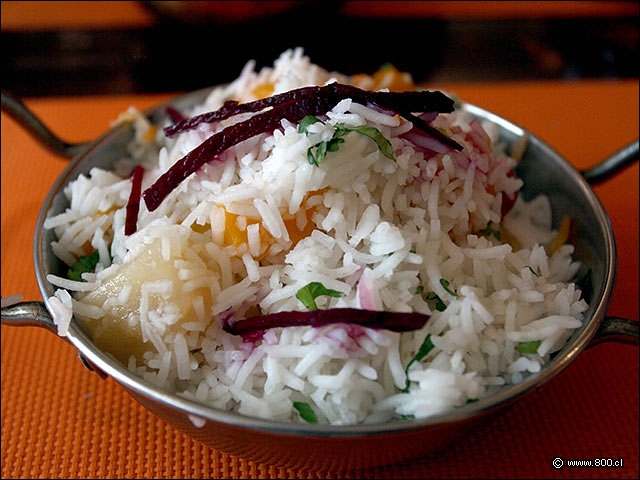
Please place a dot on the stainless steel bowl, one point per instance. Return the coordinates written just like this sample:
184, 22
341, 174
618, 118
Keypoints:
543, 170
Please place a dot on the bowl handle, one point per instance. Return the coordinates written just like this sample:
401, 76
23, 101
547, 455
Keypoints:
612, 165
616, 329
28, 314
17, 110
35, 314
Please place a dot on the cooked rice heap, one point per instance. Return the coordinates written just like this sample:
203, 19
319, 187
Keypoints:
243, 235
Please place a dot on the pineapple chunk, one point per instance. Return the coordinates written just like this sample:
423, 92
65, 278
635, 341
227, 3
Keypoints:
118, 331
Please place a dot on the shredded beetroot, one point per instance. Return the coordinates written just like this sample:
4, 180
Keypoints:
334, 92
175, 115
231, 108
133, 206
394, 321
293, 110
293, 106
429, 130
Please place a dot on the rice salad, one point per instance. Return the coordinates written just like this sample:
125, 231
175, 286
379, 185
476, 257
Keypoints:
420, 229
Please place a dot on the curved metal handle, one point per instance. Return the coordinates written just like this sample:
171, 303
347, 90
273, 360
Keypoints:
612, 165
13, 107
615, 329
28, 314
35, 314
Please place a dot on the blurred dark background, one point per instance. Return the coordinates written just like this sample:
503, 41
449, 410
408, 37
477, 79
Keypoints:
84, 48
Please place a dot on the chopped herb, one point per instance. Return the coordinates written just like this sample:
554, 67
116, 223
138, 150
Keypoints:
424, 349
489, 231
445, 285
321, 152
308, 294
306, 412
533, 271
373, 133
528, 347
85, 264
439, 304
430, 298
340, 131
472, 400
334, 144
407, 417
311, 158
306, 121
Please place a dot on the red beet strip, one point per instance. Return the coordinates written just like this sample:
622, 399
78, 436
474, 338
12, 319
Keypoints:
231, 108
175, 115
293, 106
420, 101
394, 321
423, 101
133, 206
293, 110
429, 130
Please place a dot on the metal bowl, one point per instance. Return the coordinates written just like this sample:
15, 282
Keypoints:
307, 446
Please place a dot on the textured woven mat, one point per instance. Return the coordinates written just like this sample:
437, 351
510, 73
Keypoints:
61, 421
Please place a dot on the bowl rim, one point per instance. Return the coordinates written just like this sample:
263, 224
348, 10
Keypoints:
112, 367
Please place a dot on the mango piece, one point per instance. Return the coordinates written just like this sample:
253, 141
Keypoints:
388, 76
263, 91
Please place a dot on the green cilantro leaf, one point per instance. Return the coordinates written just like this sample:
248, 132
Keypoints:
85, 264
528, 347
340, 131
306, 121
311, 158
445, 285
308, 294
374, 134
439, 304
424, 349
489, 231
321, 152
306, 412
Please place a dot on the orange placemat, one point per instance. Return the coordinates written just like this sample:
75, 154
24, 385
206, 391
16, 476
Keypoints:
60, 15
61, 421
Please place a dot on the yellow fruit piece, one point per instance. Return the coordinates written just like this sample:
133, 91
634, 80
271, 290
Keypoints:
118, 331
263, 91
150, 134
295, 234
562, 236
387, 76
233, 235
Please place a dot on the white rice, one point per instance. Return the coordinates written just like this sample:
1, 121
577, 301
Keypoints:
243, 236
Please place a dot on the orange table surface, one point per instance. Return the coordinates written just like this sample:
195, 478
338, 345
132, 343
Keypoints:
48, 15
61, 421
